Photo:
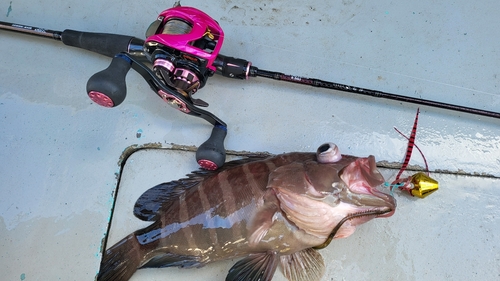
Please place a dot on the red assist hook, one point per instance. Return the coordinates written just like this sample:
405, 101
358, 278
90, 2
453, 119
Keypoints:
419, 184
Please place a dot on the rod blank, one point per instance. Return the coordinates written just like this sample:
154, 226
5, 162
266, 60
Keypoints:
32, 30
255, 72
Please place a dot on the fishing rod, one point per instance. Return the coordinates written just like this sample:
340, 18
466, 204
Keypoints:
180, 53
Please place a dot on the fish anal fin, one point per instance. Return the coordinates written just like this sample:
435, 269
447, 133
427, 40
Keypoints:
306, 265
255, 267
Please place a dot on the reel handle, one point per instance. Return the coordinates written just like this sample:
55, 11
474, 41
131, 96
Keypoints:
211, 154
108, 87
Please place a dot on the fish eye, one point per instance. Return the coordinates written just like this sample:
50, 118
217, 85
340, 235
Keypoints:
328, 153
324, 147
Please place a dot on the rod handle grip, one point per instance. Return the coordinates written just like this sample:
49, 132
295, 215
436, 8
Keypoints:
102, 43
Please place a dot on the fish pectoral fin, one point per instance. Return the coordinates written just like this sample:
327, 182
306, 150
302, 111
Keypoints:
306, 265
255, 267
172, 260
263, 219
148, 206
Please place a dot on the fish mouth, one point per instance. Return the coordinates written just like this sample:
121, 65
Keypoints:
363, 178
362, 197
374, 203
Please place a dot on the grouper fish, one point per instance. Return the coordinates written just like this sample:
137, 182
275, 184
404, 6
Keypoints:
269, 212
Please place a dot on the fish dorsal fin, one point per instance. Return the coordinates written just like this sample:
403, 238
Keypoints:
255, 267
154, 199
202, 174
147, 207
306, 265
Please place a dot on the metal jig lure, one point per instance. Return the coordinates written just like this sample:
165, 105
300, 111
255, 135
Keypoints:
419, 184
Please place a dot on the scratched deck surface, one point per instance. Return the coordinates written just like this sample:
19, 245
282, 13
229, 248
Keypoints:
59, 151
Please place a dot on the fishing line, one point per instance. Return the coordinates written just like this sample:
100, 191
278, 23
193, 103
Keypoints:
175, 26
350, 217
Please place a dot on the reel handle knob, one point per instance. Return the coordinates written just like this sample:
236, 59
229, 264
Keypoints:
211, 155
108, 87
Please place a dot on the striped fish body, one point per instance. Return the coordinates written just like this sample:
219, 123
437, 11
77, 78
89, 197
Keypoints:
261, 209
212, 220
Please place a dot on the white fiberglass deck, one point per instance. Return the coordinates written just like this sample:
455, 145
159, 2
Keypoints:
60, 153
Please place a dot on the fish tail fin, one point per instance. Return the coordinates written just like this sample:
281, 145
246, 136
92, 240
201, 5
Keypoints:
121, 261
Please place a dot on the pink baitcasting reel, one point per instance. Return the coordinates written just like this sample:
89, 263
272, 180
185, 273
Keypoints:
183, 44
183, 47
